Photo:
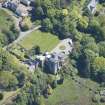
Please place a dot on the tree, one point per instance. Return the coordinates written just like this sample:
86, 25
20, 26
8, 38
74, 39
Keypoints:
82, 23
49, 90
98, 67
3, 39
76, 52
40, 101
101, 46
98, 64
54, 84
7, 80
93, 47
37, 50
47, 25
86, 39
65, 12
102, 1
26, 24
89, 57
1, 96
96, 30
39, 12
84, 62
83, 66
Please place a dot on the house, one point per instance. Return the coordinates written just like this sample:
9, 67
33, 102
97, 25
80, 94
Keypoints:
21, 11
92, 5
41, 60
25, 2
51, 62
54, 62
17, 7
12, 6
2, 1
102, 92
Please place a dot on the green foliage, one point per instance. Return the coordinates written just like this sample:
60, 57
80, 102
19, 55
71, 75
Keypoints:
12, 69
87, 39
34, 51
98, 67
47, 25
46, 41
101, 46
1, 96
8, 61
7, 80
26, 24
83, 23
8, 31
93, 47
40, 100
32, 91
99, 64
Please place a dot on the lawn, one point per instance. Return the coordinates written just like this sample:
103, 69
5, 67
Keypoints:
46, 41
63, 93
5, 20
71, 93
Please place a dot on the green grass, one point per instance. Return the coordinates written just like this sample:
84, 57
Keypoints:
71, 93
46, 41
5, 20
63, 93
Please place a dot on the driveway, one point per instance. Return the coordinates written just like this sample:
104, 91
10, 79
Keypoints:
65, 46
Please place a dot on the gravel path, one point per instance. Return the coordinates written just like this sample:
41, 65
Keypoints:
67, 44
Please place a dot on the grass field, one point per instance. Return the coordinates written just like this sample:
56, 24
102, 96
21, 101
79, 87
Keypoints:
46, 41
71, 93
5, 20
63, 93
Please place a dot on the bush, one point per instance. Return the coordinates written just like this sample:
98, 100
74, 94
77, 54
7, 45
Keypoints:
1, 96
61, 81
54, 84
25, 24
102, 99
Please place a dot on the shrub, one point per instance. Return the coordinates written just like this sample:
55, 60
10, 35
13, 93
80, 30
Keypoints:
1, 96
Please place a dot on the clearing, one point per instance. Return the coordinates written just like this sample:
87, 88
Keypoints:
46, 41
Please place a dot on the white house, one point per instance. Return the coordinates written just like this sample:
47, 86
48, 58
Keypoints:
92, 5
21, 13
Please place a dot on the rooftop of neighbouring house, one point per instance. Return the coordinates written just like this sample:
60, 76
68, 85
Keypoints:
93, 3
